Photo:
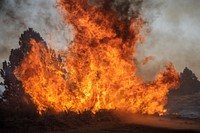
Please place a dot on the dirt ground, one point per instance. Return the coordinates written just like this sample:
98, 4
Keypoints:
125, 128
129, 124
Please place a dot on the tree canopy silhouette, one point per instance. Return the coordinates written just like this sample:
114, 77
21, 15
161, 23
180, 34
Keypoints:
14, 95
189, 83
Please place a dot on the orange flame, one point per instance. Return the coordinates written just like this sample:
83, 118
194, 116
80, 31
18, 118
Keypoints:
99, 72
147, 59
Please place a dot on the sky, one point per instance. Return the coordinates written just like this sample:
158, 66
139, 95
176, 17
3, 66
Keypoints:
174, 36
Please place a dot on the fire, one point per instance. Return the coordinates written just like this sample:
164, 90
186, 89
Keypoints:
98, 71
147, 59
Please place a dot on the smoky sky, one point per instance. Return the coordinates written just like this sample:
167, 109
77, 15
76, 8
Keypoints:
124, 8
174, 37
174, 25
17, 16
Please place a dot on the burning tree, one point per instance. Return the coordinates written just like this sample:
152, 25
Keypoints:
97, 72
14, 95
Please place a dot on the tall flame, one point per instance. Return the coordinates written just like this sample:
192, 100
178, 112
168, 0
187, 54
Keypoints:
99, 70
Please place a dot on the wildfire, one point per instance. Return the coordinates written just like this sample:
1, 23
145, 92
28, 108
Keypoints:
98, 71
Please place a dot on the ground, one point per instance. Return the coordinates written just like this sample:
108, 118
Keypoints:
129, 124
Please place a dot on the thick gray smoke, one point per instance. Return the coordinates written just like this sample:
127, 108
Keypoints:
175, 31
125, 8
41, 15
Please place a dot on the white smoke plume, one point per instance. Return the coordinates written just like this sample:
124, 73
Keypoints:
174, 36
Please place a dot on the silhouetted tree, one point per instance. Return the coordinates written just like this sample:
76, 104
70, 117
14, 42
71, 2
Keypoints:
189, 83
14, 95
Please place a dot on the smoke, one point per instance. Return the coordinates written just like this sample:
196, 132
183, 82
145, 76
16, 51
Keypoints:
174, 35
41, 15
125, 8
